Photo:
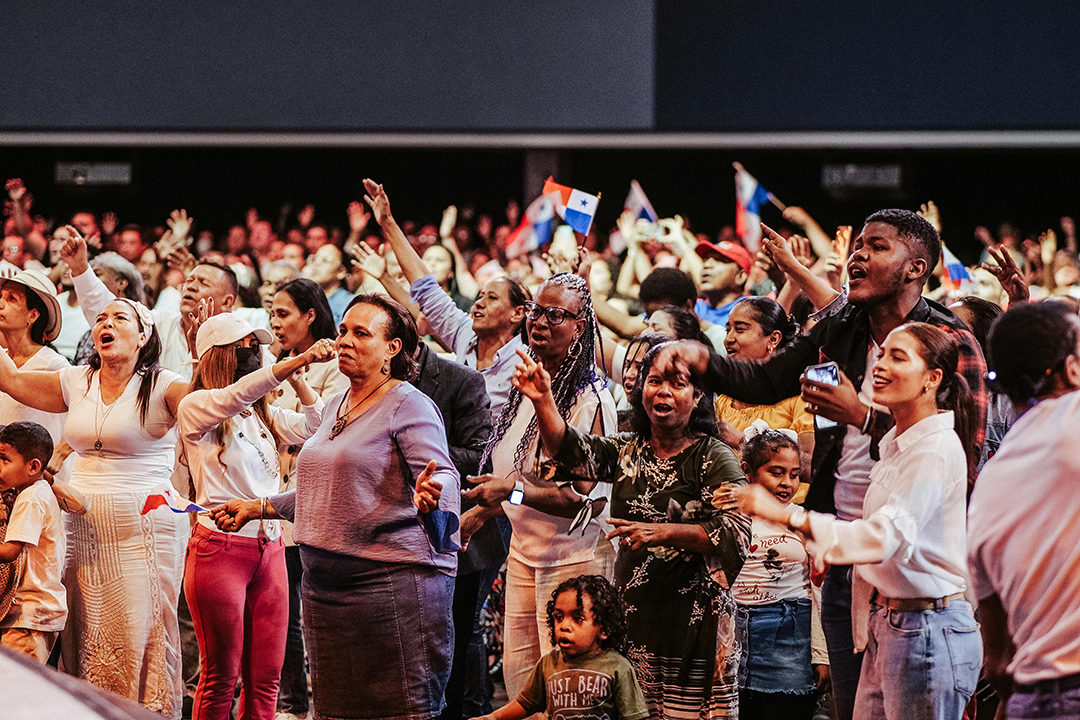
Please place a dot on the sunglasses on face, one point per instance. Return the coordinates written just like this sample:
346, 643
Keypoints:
554, 315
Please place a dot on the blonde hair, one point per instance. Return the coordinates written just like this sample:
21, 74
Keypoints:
217, 369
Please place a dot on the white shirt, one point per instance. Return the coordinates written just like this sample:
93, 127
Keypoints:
175, 354
40, 600
44, 360
911, 542
1024, 538
72, 327
776, 566
539, 539
853, 469
247, 467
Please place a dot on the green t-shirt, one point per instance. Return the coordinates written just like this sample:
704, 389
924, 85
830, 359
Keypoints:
601, 686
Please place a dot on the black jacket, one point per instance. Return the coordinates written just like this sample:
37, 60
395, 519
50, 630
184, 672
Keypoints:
843, 338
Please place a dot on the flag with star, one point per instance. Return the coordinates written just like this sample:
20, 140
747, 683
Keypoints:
576, 208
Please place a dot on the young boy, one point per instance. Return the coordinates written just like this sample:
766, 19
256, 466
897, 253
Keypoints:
39, 611
585, 677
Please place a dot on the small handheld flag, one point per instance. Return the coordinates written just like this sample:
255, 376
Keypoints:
535, 227
169, 498
575, 207
955, 272
749, 197
637, 203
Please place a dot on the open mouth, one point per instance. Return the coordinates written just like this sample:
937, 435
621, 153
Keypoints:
106, 338
880, 381
783, 495
856, 272
661, 408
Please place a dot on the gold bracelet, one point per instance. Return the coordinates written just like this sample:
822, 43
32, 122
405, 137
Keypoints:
262, 508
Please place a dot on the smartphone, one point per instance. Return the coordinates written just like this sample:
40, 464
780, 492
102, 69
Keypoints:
826, 374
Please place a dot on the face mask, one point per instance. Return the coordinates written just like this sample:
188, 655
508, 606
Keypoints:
248, 360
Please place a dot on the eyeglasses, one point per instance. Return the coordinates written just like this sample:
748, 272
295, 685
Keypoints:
554, 315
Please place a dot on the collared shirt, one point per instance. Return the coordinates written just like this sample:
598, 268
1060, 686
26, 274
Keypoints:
1023, 538
454, 328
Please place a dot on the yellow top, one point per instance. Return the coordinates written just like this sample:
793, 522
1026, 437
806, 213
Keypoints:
787, 414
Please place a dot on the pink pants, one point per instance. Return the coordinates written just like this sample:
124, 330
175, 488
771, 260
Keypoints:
237, 589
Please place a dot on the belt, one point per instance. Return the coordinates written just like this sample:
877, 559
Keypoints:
1050, 686
914, 604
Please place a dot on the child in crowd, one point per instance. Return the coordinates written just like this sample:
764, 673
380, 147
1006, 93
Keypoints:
39, 611
586, 675
780, 665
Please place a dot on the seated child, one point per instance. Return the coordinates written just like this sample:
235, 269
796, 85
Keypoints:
775, 619
39, 611
586, 676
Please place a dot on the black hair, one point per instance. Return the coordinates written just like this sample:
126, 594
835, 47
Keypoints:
915, 231
1028, 347
772, 317
761, 448
307, 295
686, 325
401, 326
608, 609
518, 295
702, 417
983, 315
34, 302
30, 440
146, 364
939, 351
670, 284
230, 275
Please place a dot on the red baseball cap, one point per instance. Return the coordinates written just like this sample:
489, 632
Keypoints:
729, 251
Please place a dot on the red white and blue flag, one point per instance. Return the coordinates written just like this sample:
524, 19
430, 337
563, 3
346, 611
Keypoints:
637, 203
575, 207
955, 272
169, 498
535, 228
749, 197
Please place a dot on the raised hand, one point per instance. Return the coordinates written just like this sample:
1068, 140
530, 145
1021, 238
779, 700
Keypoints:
195, 320
320, 351
358, 217
74, 252
180, 224
251, 218
513, 212
983, 235
1047, 247
182, 260
16, 189
306, 215
1007, 273
377, 200
777, 247
682, 355
530, 377
449, 221
797, 215
109, 223
839, 403
928, 211
428, 491
369, 261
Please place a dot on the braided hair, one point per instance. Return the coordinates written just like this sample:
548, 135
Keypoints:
577, 372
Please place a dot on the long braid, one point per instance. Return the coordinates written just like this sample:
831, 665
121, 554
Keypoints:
577, 372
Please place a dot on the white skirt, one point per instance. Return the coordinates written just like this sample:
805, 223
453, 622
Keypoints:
123, 576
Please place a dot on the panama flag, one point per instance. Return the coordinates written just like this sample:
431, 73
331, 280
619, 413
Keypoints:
637, 203
749, 197
575, 207
535, 228
168, 497
955, 272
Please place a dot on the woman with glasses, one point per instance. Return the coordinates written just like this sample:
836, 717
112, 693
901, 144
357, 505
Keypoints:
543, 550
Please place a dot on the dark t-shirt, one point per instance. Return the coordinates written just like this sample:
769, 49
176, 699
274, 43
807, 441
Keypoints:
600, 686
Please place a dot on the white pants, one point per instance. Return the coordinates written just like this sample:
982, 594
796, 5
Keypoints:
526, 637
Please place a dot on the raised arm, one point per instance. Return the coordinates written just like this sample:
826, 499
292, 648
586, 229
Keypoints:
466, 283
93, 295
410, 261
34, 388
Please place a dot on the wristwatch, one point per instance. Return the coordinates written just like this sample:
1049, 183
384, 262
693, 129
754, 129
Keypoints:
517, 495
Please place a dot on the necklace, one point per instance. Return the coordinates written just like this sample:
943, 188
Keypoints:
98, 425
272, 472
343, 420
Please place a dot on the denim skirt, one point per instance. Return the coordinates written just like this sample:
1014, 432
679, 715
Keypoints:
775, 641
379, 636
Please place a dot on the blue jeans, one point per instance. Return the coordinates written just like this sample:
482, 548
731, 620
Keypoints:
1058, 699
919, 665
844, 663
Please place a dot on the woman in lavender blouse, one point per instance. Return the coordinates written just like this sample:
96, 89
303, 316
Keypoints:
376, 518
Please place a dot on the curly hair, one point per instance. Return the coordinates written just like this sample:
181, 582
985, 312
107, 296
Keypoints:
761, 448
608, 609
915, 231
702, 418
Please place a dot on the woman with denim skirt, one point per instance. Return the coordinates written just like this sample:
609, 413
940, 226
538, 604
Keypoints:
923, 649
779, 627
375, 514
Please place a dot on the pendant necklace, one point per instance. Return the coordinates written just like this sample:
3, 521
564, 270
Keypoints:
98, 425
343, 420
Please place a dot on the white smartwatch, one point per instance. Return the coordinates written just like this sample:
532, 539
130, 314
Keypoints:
517, 495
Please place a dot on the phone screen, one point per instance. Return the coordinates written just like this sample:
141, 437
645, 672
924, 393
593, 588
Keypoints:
827, 374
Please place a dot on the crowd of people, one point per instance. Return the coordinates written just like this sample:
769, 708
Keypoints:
718, 483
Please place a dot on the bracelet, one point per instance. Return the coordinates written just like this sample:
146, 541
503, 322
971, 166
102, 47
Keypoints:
870, 413
262, 508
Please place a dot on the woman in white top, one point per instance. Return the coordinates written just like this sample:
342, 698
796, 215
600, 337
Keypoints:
923, 649
236, 585
123, 568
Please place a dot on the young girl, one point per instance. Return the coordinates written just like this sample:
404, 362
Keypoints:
586, 675
923, 649
776, 619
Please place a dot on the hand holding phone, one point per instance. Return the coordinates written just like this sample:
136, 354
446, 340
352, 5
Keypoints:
825, 374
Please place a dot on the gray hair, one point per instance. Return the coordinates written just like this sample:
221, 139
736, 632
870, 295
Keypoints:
124, 269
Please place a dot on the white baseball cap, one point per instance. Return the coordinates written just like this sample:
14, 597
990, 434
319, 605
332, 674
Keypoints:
225, 329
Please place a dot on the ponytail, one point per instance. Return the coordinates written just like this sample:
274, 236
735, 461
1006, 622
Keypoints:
956, 396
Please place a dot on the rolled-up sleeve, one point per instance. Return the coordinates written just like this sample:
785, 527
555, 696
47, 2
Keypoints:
450, 324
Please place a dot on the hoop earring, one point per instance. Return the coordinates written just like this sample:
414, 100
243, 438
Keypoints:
575, 348
386, 367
